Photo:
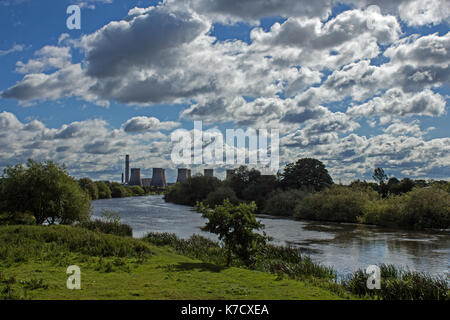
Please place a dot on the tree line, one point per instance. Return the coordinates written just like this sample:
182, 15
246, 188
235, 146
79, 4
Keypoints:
305, 190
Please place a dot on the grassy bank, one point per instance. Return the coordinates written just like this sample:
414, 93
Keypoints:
33, 262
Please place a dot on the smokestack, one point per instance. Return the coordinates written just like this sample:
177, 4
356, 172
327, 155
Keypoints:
122, 177
208, 172
230, 173
127, 168
159, 178
183, 174
135, 179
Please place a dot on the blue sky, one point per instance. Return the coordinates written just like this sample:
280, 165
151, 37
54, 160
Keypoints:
356, 84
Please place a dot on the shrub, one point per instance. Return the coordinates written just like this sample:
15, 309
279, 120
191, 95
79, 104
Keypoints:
283, 203
46, 190
17, 218
193, 190
421, 208
338, 203
116, 228
234, 225
218, 196
90, 187
104, 192
118, 191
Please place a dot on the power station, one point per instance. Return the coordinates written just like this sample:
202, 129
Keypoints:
158, 178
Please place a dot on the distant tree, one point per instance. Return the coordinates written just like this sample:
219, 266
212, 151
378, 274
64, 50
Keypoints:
137, 190
118, 191
306, 173
242, 179
218, 196
193, 190
104, 192
234, 224
379, 176
283, 202
46, 190
90, 187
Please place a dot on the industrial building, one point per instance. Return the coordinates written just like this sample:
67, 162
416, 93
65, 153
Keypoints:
159, 178
183, 174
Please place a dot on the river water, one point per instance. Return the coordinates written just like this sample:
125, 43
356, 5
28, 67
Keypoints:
345, 247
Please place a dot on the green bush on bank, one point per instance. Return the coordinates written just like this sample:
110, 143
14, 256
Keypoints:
421, 208
283, 202
338, 203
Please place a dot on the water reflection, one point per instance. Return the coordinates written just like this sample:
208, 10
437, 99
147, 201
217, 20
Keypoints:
345, 247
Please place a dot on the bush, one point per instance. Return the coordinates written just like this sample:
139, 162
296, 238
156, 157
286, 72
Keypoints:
17, 218
421, 208
218, 196
46, 190
90, 187
118, 229
136, 190
234, 225
193, 190
119, 191
283, 203
338, 203
104, 192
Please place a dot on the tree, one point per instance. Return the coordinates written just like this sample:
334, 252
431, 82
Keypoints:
118, 191
379, 176
90, 187
306, 173
234, 224
46, 190
104, 192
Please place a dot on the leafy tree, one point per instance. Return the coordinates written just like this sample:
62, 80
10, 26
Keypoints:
137, 190
234, 224
242, 179
118, 191
283, 202
90, 187
217, 197
104, 192
46, 190
306, 173
193, 190
379, 176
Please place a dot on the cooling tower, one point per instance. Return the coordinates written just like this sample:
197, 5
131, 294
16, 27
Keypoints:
230, 173
135, 179
183, 174
159, 178
208, 172
127, 169
146, 182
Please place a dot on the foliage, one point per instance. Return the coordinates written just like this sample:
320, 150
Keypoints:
193, 190
283, 202
46, 190
16, 218
398, 284
90, 187
338, 203
109, 227
104, 192
306, 173
234, 225
379, 176
218, 196
421, 208
119, 191
137, 191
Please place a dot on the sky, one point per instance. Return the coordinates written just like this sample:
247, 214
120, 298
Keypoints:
357, 84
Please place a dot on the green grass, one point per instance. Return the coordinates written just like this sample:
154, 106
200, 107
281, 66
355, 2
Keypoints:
33, 262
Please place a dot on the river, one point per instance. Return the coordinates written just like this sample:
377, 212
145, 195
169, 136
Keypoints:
345, 247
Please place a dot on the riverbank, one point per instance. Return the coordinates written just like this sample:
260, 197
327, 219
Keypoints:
34, 259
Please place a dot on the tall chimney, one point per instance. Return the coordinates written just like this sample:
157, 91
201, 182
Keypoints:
122, 177
127, 168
